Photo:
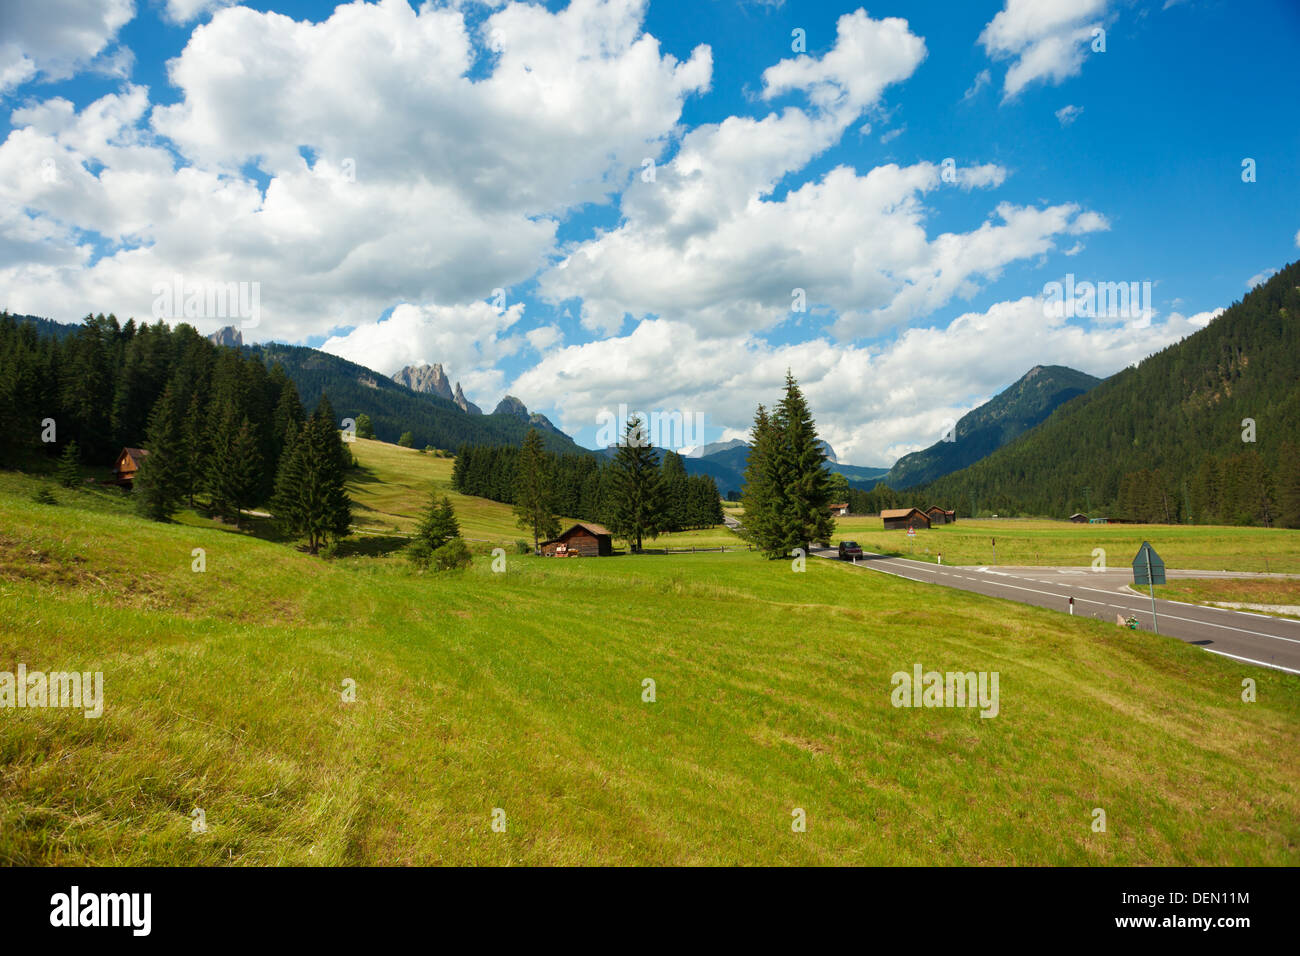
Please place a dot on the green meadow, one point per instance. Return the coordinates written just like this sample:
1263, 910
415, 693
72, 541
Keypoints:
524, 692
393, 486
1022, 542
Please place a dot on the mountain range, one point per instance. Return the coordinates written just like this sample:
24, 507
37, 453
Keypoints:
1007, 415
1032, 447
433, 380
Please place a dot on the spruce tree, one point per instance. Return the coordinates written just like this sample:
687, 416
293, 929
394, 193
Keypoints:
761, 495
289, 417
677, 506
160, 482
438, 525
534, 490
194, 448
241, 478
806, 490
310, 495
636, 505
69, 467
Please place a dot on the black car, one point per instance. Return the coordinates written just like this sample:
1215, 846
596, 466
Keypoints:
849, 551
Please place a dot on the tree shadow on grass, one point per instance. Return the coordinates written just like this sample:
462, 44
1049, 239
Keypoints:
370, 545
251, 526
362, 475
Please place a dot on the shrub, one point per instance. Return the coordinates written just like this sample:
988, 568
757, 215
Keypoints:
522, 547
407, 440
44, 497
451, 556
418, 553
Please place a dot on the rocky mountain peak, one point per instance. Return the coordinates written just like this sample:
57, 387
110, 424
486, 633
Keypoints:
465, 404
229, 336
513, 407
425, 378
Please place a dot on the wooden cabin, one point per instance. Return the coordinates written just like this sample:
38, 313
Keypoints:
1079, 518
839, 510
898, 519
583, 539
939, 515
127, 464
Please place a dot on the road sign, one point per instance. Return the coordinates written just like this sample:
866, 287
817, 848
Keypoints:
1148, 568
911, 532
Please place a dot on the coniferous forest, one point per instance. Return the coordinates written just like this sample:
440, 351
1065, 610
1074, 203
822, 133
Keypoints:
583, 486
222, 430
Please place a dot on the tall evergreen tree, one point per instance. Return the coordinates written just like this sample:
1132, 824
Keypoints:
311, 499
159, 483
534, 490
636, 504
761, 495
677, 509
195, 448
806, 490
234, 465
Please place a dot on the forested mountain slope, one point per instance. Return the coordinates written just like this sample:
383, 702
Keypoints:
1204, 430
985, 429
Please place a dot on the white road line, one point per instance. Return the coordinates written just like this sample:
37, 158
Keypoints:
1251, 660
1172, 617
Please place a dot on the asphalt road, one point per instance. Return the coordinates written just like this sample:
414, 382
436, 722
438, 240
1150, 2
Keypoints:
1241, 635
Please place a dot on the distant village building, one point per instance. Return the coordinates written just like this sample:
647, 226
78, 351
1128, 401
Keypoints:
897, 519
1079, 518
585, 539
939, 515
839, 510
127, 464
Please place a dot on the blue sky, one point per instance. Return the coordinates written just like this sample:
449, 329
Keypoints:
380, 169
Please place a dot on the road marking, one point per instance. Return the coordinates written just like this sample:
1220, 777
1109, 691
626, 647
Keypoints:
1251, 660
1172, 617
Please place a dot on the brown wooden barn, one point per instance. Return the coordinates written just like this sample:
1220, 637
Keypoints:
938, 515
1079, 518
839, 510
902, 518
127, 464
585, 539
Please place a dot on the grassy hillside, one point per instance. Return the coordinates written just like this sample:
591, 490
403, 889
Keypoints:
393, 486
523, 691
1049, 543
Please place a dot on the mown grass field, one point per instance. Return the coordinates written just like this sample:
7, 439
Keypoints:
523, 691
393, 486
1060, 543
